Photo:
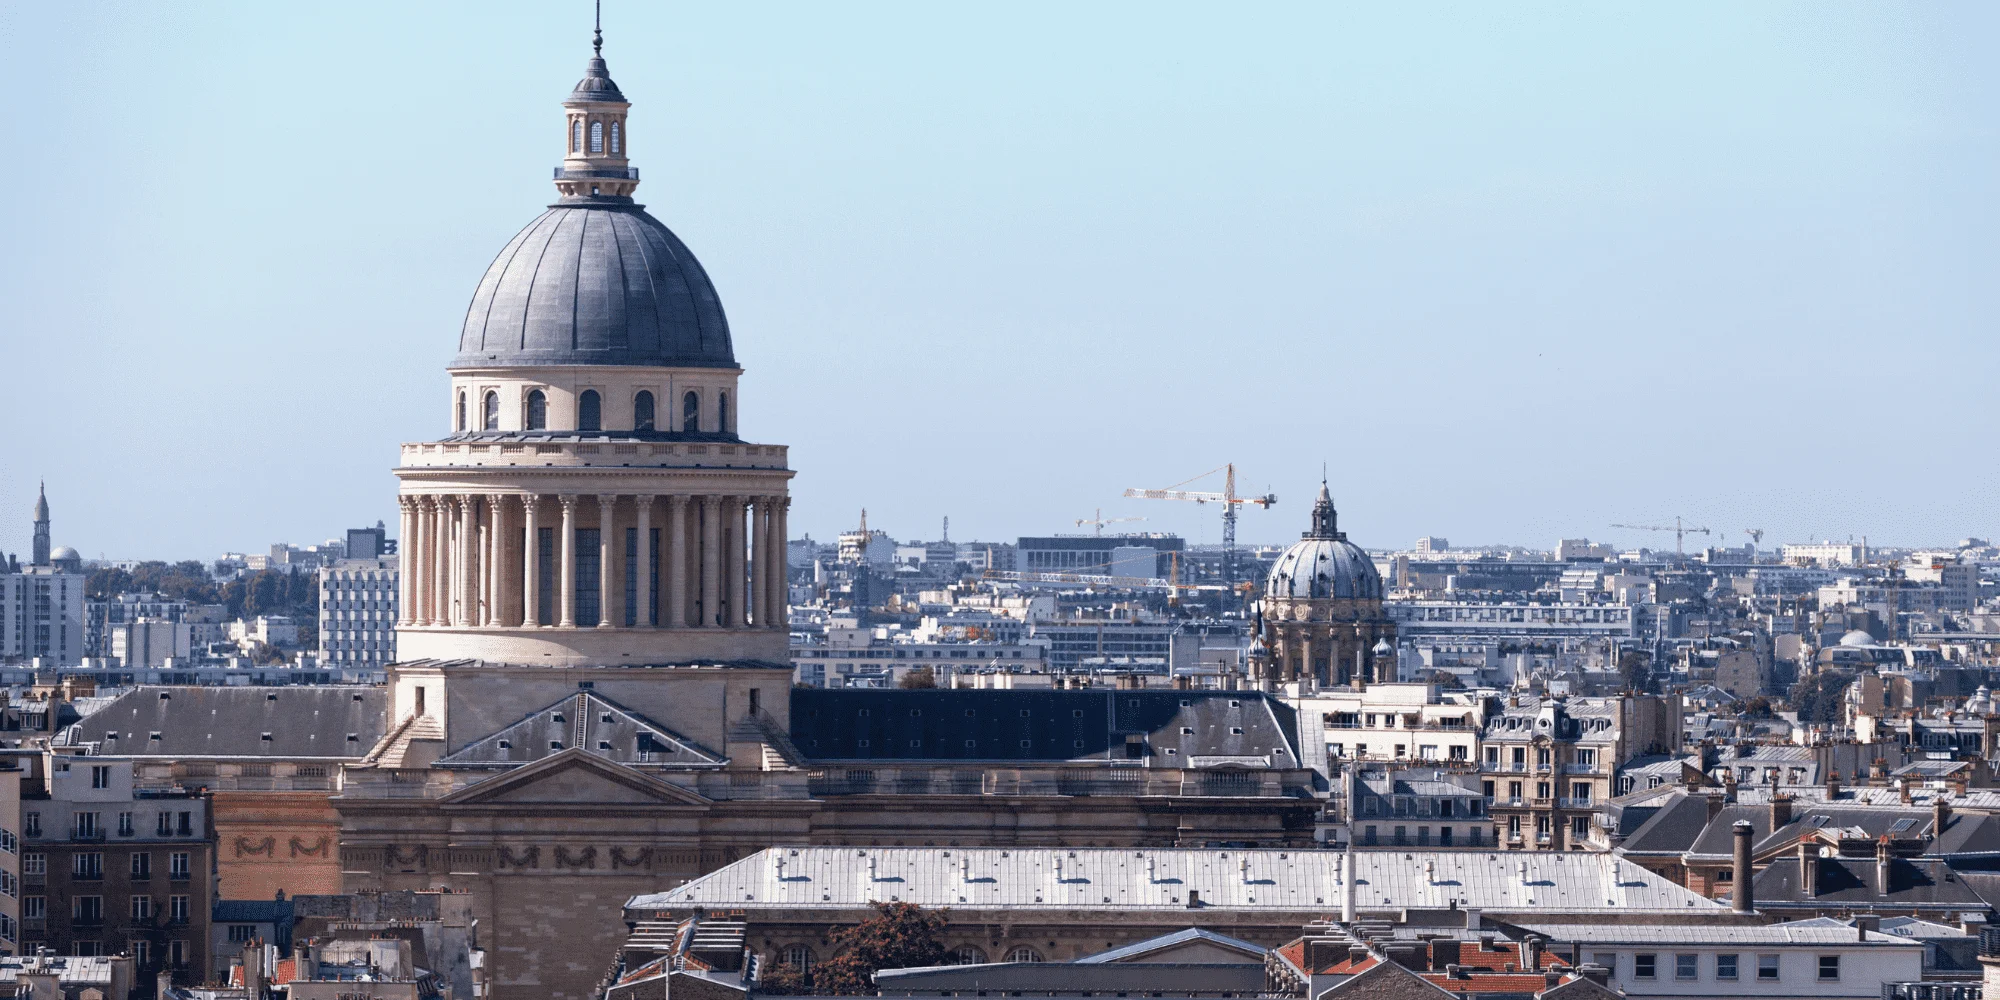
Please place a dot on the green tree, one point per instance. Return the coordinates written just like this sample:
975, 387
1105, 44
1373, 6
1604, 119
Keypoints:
898, 936
1817, 698
1636, 666
918, 678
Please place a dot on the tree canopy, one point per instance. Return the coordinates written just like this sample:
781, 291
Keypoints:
898, 936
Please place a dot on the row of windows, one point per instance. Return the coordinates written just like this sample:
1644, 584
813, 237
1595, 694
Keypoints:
1687, 966
1427, 751
90, 825
596, 131
90, 865
90, 909
803, 958
590, 411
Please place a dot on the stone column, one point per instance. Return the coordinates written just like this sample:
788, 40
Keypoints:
644, 562
496, 571
732, 520
405, 561
567, 572
780, 569
676, 598
760, 558
440, 560
531, 563
420, 564
468, 560
606, 505
711, 550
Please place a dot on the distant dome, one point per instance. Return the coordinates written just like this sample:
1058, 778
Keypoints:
1324, 564
1857, 638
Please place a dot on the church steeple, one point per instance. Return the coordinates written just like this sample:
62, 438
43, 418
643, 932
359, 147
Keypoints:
1326, 522
42, 527
595, 138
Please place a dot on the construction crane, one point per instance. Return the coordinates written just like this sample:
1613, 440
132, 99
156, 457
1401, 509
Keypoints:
1098, 522
1756, 538
1227, 498
1680, 530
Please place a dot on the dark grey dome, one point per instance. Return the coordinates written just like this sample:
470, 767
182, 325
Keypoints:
1323, 563
596, 84
595, 284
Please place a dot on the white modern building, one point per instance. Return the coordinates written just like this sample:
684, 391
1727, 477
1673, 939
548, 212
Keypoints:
1514, 619
1805, 959
357, 612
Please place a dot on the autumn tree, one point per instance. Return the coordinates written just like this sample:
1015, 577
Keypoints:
898, 936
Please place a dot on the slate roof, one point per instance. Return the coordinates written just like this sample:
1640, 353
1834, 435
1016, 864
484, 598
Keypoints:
1064, 978
332, 722
591, 722
1717, 841
1388, 981
1850, 883
924, 725
849, 878
1672, 828
1803, 933
595, 284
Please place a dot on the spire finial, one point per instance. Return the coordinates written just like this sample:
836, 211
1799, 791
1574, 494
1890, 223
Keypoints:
597, 36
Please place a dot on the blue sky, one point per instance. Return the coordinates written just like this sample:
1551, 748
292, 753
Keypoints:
1514, 272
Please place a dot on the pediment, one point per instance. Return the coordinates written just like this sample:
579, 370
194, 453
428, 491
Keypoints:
574, 778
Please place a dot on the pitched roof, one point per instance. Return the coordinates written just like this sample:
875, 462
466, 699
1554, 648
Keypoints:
1250, 952
1673, 828
1717, 840
590, 722
831, 724
843, 878
301, 721
1852, 883
1387, 981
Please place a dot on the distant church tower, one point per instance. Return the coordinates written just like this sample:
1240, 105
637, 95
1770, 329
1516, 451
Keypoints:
42, 528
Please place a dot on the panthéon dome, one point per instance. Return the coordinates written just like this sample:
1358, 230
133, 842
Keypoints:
595, 280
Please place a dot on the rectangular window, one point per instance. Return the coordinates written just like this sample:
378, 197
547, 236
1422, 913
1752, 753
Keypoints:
1687, 966
100, 776
1725, 967
239, 933
1608, 959
86, 865
1643, 965
631, 576
177, 909
142, 952
588, 568
1829, 968
184, 824
34, 863
653, 573
177, 865
86, 909
142, 909
545, 575
31, 824
1767, 968
34, 907
124, 824
1444, 836
1368, 836
142, 866
87, 826
177, 953
165, 827
8, 842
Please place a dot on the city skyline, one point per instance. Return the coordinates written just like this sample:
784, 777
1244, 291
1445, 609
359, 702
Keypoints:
1685, 268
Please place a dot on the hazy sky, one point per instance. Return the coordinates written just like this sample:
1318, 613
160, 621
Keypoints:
1513, 271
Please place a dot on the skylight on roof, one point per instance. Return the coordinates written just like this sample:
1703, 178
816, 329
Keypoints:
1901, 825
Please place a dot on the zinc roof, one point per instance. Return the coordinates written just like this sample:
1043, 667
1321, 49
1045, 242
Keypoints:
1666, 936
827, 878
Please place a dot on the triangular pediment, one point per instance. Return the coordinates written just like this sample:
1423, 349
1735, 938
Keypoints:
574, 778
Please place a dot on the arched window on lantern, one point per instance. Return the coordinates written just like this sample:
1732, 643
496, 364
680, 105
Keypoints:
491, 412
576, 135
461, 410
538, 411
691, 412
589, 411
642, 411
722, 412
615, 137
597, 137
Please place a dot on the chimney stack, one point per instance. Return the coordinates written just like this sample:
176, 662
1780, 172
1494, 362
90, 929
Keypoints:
1865, 922
1357, 954
1882, 859
1744, 900
1531, 953
1781, 811
1940, 812
1808, 866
